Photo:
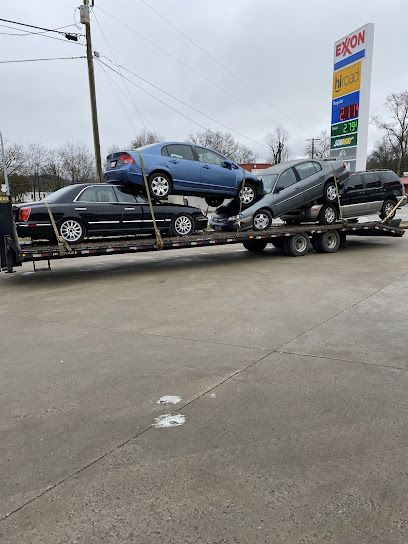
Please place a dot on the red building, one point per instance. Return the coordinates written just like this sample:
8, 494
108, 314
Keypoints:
255, 167
404, 181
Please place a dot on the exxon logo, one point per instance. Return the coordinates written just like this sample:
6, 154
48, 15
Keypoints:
348, 44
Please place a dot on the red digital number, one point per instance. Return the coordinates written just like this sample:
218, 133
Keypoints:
349, 112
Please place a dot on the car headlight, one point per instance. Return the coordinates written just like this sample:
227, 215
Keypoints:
235, 217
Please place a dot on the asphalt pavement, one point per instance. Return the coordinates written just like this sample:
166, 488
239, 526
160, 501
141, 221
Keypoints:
289, 378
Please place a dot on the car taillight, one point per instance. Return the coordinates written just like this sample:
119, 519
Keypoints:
24, 214
126, 158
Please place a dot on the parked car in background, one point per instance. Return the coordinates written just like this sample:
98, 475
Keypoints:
288, 186
183, 169
100, 209
364, 193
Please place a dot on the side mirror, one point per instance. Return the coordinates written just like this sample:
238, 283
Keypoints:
278, 189
227, 164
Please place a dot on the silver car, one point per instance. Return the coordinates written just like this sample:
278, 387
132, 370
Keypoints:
289, 186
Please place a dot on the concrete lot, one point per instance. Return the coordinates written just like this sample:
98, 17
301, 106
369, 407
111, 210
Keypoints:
293, 378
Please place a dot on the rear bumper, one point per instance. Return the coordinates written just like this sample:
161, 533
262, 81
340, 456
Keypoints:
38, 231
124, 176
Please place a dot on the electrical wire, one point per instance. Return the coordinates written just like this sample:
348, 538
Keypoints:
192, 70
182, 102
57, 31
214, 59
117, 66
45, 35
23, 33
39, 60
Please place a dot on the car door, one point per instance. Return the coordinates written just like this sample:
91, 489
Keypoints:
184, 169
311, 180
286, 193
353, 198
132, 209
98, 208
373, 191
217, 176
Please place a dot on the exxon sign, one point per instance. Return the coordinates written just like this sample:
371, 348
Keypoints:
350, 48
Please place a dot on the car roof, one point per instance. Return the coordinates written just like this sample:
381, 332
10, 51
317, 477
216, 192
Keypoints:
280, 167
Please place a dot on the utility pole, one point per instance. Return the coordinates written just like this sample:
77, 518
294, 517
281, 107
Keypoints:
5, 188
85, 19
313, 140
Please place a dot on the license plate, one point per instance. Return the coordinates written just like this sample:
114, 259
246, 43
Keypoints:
113, 164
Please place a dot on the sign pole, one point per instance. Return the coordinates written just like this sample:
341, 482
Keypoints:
5, 188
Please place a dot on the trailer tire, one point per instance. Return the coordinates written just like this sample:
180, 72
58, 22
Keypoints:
296, 245
256, 246
327, 242
328, 214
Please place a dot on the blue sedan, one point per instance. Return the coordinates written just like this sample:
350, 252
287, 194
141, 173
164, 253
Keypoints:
183, 169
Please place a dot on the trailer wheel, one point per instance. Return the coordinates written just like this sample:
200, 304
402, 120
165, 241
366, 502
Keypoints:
296, 245
327, 242
256, 246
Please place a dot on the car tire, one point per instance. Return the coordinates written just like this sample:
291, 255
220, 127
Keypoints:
387, 206
160, 185
296, 245
328, 214
72, 230
214, 201
256, 246
247, 194
278, 242
330, 192
182, 225
327, 242
262, 220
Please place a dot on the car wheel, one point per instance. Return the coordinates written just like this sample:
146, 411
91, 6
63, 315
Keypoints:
387, 206
330, 192
160, 185
182, 225
72, 231
247, 194
296, 245
262, 220
327, 242
214, 201
256, 246
327, 215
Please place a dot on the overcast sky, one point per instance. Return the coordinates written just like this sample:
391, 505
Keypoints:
282, 50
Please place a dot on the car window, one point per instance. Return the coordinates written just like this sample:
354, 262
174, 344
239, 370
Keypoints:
125, 195
205, 155
370, 181
390, 179
164, 151
354, 183
179, 151
268, 181
286, 179
317, 166
305, 169
98, 194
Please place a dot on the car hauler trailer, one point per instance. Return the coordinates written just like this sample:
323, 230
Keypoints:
293, 240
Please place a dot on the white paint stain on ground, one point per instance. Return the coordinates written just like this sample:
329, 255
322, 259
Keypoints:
169, 399
168, 420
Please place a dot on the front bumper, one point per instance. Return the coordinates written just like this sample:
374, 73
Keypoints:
222, 224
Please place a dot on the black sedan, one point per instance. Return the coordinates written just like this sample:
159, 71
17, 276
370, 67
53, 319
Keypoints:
99, 209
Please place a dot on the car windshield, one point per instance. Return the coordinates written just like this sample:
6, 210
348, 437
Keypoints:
268, 181
53, 197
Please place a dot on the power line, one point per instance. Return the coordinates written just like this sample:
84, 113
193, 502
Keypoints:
214, 59
181, 102
38, 60
39, 27
23, 33
42, 35
190, 69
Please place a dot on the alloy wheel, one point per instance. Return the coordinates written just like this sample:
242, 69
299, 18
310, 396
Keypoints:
261, 221
247, 195
160, 186
331, 193
330, 215
388, 208
71, 230
183, 225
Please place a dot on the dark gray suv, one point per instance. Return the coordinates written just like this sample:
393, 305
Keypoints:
288, 186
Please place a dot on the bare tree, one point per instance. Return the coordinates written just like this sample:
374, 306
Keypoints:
383, 155
15, 156
225, 144
321, 146
145, 137
396, 126
77, 162
277, 143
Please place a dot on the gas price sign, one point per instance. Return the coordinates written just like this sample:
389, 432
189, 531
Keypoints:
351, 96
